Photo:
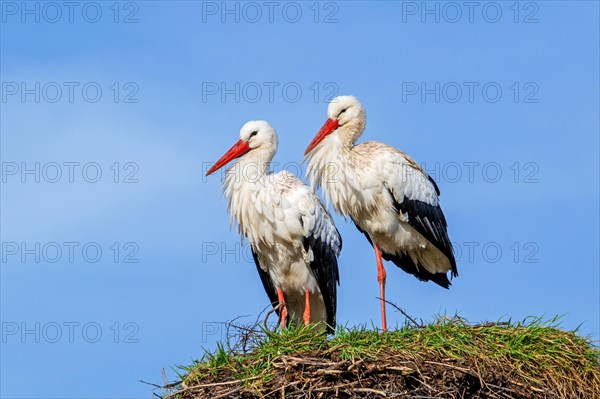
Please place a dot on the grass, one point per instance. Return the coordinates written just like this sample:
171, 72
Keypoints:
446, 358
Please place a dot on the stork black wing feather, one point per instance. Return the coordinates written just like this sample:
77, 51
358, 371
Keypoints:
325, 269
429, 221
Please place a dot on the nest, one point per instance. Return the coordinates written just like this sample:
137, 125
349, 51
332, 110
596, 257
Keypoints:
445, 359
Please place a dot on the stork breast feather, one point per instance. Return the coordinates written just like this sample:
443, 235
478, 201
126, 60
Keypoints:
269, 213
258, 204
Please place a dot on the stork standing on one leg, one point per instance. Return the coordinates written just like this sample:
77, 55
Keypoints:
294, 241
385, 192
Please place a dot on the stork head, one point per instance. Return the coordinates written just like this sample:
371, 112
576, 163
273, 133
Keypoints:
346, 117
256, 137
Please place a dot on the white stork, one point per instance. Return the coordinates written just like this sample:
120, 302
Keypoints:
388, 196
294, 241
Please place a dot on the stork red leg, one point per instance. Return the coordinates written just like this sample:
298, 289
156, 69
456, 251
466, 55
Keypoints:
306, 307
381, 275
283, 311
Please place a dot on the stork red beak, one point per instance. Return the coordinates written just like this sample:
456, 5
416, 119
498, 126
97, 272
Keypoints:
238, 149
326, 130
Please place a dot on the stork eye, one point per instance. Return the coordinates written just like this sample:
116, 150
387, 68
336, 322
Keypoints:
254, 133
344, 110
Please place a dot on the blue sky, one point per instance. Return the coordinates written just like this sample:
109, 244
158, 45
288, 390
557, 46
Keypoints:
500, 108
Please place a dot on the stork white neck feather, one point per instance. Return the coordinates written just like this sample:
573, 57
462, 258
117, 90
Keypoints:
339, 171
